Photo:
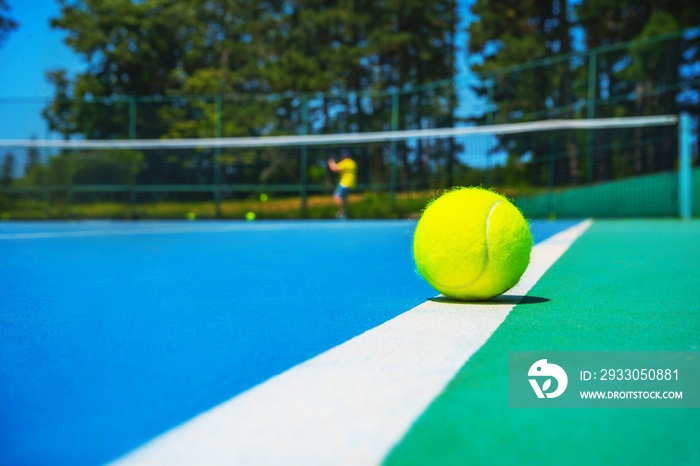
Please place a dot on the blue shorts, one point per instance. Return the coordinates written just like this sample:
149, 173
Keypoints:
341, 192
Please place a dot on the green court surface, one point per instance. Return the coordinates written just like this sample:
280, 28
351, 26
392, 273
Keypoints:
623, 286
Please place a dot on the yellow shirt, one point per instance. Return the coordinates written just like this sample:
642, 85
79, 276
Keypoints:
348, 172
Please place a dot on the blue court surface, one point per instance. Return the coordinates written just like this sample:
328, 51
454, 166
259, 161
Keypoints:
113, 332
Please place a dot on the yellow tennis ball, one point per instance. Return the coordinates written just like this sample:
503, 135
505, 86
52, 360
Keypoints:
472, 244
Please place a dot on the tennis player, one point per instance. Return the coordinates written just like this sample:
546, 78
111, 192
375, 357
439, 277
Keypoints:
347, 168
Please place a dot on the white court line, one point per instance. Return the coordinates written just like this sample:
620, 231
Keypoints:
160, 230
353, 403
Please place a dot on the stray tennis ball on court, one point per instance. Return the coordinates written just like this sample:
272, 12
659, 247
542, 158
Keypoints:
250, 216
5, 216
263, 197
472, 244
191, 216
552, 216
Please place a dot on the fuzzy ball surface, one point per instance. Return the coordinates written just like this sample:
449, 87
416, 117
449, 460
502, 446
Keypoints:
472, 244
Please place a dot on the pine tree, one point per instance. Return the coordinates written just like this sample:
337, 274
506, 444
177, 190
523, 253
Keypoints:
7, 170
33, 158
183, 65
512, 34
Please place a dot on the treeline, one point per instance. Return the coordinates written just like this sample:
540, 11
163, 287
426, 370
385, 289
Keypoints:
230, 68
195, 68
561, 59
245, 51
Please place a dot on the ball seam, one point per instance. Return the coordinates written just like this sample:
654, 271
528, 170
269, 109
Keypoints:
486, 259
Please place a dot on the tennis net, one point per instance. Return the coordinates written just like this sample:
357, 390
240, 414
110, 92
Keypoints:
622, 167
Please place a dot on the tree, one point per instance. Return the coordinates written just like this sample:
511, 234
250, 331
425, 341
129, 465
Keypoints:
61, 112
131, 49
250, 65
641, 69
514, 32
7, 24
652, 73
32, 159
355, 47
7, 171
510, 36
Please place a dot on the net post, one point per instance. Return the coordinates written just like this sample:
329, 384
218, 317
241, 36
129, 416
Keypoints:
217, 157
304, 155
685, 194
590, 107
394, 158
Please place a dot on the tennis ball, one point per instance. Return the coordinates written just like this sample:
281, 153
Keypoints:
250, 216
472, 244
263, 197
191, 216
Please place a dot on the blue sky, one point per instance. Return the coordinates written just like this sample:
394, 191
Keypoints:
34, 48
30, 50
